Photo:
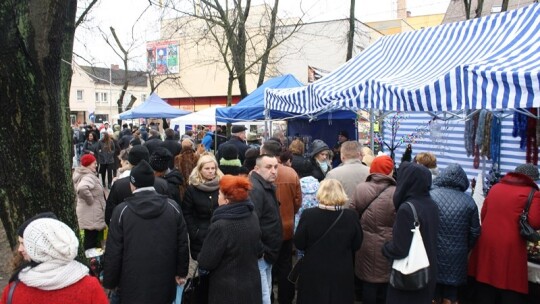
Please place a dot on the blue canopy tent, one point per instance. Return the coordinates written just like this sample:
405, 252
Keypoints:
153, 107
252, 108
485, 63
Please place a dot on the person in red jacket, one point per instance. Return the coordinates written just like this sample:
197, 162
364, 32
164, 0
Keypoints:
499, 259
53, 275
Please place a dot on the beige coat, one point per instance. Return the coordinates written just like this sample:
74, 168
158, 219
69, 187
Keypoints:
90, 199
350, 173
377, 222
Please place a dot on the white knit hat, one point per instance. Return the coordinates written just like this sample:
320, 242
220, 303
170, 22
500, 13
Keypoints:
49, 239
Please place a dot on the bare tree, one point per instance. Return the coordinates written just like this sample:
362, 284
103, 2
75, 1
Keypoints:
350, 33
468, 6
35, 142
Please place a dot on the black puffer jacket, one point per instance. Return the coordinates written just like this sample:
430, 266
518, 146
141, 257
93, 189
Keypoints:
459, 224
198, 207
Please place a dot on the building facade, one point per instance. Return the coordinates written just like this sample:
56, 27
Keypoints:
95, 91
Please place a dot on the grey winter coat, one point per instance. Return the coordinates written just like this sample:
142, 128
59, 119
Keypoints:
459, 225
373, 202
90, 199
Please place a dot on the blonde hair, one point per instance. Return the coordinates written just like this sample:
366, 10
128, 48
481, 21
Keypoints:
196, 178
331, 193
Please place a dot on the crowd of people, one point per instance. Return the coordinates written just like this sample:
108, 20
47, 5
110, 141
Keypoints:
244, 212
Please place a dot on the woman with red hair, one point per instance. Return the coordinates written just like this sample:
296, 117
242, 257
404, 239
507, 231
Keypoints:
232, 246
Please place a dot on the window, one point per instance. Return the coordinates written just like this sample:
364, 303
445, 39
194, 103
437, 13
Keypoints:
97, 97
143, 97
104, 97
80, 95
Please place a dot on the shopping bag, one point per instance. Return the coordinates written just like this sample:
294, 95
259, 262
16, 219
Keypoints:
412, 272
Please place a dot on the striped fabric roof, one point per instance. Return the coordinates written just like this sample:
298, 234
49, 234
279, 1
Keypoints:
491, 62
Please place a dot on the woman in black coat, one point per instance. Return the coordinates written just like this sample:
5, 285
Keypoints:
458, 232
200, 201
413, 184
232, 246
327, 272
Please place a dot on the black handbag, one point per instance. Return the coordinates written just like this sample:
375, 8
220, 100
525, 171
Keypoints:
525, 229
295, 271
196, 290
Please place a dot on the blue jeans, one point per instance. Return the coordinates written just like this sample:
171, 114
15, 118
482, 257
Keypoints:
265, 269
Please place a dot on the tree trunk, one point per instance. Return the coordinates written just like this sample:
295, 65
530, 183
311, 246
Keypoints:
479, 8
504, 6
35, 137
350, 34
467, 5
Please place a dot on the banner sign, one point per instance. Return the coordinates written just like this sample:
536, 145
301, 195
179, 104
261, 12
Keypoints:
162, 57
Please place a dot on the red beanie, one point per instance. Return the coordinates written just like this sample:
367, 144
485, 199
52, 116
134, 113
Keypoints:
87, 160
382, 164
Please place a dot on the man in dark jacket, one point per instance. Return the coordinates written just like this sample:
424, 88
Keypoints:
238, 138
120, 189
289, 195
172, 145
153, 142
263, 196
147, 247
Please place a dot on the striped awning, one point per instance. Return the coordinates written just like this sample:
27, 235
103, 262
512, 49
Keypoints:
486, 63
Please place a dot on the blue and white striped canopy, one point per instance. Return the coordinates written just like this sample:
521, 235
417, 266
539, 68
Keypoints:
491, 62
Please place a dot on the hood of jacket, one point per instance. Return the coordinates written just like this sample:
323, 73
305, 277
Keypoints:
174, 177
309, 185
413, 181
453, 177
147, 204
318, 146
79, 173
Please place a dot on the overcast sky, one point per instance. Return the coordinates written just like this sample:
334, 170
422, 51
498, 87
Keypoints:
123, 14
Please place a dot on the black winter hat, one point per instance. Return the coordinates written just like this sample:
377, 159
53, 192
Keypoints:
229, 152
159, 160
142, 175
138, 153
20, 231
238, 129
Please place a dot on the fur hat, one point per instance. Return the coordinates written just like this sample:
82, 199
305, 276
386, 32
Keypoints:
382, 164
528, 169
138, 153
238, 129
229, 151
20, 231
159, 160
87, 160
142, 175
48, 239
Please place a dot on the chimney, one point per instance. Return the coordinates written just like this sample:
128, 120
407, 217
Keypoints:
401, 9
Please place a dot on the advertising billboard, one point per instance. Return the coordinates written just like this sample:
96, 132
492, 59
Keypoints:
162, 57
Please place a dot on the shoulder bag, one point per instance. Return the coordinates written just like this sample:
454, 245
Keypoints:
412, 272
295, 271
11, 291
525, 229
